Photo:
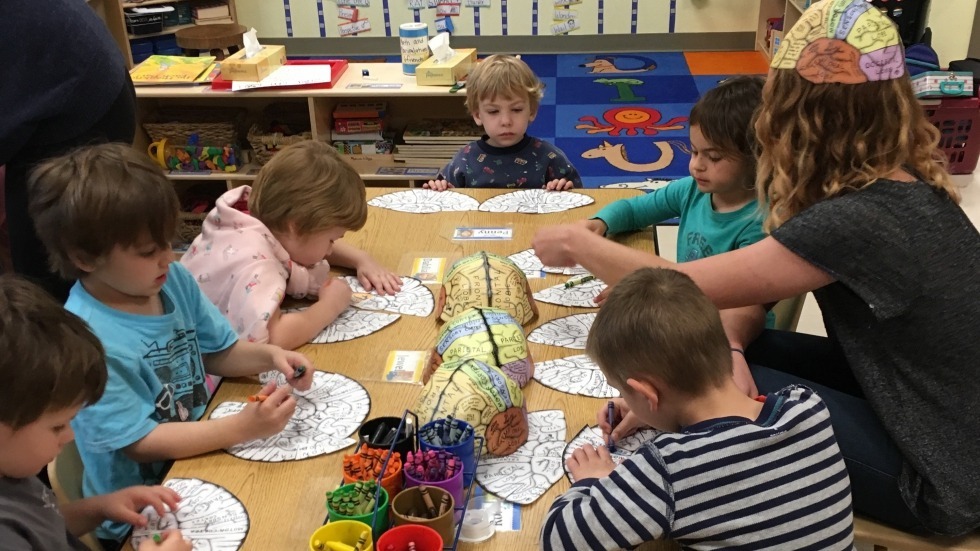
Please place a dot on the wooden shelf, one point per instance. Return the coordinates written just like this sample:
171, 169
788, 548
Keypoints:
797, 4
166, 30
149, 3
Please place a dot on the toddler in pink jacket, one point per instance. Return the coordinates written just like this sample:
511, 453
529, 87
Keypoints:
277, 238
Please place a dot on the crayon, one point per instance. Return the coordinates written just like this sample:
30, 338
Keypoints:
411, 546
424, 491
578, 281
444, 504
338, 546
157, 538
299, 371
390, 437
318, 545
610, 414
257, 398
361, 540
378, 432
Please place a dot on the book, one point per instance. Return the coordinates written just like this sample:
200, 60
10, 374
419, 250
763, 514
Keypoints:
356, 136
213, 21
352, 126
172, 69
211, 11
374, 110
460, 131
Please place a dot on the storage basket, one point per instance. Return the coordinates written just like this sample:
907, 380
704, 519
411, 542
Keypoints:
213, 126
283, 124
958, 121
189, 226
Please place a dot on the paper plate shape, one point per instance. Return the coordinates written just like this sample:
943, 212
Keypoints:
593, 436
490, 335
414, 299
536, 201
209, 515
352, 323
483, 396
529, 262
575, 375
569, 331
325, 417
424, 201
582, 295
525, 475
487, 280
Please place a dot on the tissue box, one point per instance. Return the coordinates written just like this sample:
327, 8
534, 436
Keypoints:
432, 73
255, 68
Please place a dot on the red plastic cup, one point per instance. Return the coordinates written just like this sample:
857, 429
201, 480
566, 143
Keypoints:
425, 538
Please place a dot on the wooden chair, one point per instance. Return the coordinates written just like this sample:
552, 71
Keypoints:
65, 474
871, 536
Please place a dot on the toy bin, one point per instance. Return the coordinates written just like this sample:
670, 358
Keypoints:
423, 538
343, 532
380, 519
958, 121
409, 509
465, 450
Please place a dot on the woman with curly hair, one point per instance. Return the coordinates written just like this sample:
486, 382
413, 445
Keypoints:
863, 213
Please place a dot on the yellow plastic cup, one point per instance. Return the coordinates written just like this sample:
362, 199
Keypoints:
340, 533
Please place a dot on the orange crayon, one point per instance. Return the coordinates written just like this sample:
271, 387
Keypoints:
257, 398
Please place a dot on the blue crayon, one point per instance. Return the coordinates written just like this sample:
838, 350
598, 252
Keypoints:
610, 414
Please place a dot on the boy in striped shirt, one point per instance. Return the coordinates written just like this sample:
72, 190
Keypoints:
728, 471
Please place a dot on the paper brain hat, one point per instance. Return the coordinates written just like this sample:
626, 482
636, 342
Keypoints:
842, 41
490, 335
481, 395
486, 279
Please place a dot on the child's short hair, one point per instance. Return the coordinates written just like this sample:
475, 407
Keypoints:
49, 360
502, 76
308, 187
824, 140
658, 323
725, 117
90, 200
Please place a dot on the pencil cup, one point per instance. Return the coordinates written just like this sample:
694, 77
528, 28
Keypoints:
346, 532
380, 521
410, 501
392, 483
424, 538
465, 450
374, 432
453, 485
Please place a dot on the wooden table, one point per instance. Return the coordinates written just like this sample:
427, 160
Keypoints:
285, 501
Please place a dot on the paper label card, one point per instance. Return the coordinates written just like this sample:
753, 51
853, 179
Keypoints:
477, 3
405, 366
354, 27
567, 2
350, 14
447, 9
287, 75
562, 15
361, 3
565, 27
428, 269
483, 234
433, 3
416, 4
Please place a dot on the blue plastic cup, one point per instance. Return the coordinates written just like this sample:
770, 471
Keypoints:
465, 450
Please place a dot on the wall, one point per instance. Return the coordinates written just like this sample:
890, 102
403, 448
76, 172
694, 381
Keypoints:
952, 22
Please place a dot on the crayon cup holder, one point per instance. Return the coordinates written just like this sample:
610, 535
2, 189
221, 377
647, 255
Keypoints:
424, 538
346, 532
453, 484
380, 521
465, 450
410, 501
393, 483
404, 443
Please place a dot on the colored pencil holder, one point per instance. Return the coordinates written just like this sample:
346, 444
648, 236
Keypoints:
404, 442
409, 501
346, 532
424, 538
453, 485
392, 483
380, 521
465, 450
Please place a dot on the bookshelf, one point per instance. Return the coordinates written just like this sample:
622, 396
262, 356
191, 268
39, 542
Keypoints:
111, 12
789, 10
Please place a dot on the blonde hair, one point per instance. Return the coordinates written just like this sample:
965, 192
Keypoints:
90, 200
502, 76
658, 323
825, 140
308, 188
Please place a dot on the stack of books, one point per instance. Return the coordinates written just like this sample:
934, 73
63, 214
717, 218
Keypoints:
359, 129
434, 142
174, 69
211, 13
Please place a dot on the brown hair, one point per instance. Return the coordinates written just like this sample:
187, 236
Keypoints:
658, 323
725, 115
92, 199
308, 187
49, 360
825, 140
502, 76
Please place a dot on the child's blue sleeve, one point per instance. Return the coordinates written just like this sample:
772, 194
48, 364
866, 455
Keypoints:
639, 212
214, 332
455, 171
560, 167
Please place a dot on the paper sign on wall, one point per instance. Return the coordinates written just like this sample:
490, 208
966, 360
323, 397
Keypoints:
350, 14
354, 27
416, 4
361, 3
447, 9
477, 3
445, 25
565, 26
433, 3
567, 2
563, 15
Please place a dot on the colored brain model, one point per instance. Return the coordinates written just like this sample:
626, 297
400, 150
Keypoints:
483, 396
490, 335
489, 280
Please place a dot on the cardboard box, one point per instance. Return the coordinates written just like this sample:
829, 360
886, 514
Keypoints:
775, 41
432, 73
255, 68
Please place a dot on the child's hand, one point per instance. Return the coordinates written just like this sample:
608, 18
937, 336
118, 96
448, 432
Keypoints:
374, 276
625, 420
554, 245
335, 289
126, 504
437, 185
172, 541
594, 225
590, 462
287, 362
602, 296
559, 185
268, 417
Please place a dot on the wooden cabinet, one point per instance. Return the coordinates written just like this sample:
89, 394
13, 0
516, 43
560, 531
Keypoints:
789, 10
406, 101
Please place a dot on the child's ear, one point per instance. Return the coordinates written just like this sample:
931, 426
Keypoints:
648, 390
83, 261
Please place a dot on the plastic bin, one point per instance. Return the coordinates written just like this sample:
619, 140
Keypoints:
958, 121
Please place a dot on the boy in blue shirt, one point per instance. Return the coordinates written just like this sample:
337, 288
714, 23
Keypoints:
106, 215
502, 95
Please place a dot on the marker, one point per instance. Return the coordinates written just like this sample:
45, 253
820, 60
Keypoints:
257, 398
299, 372
157, 538
610, 414
578, 281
